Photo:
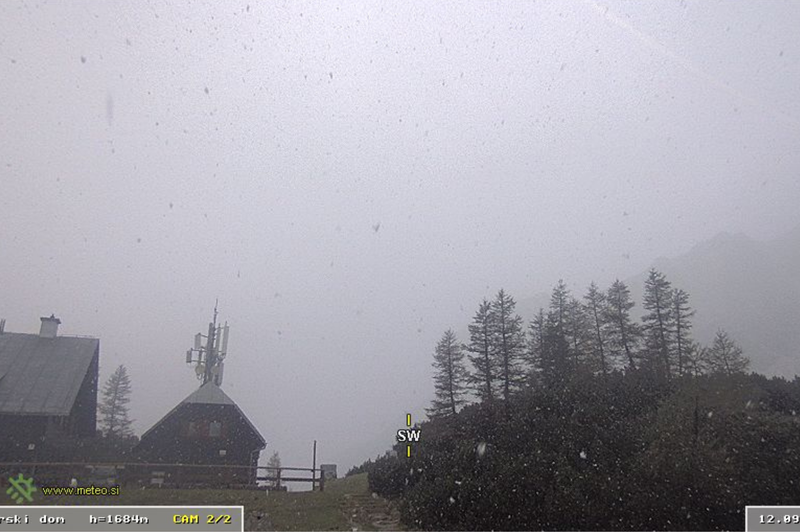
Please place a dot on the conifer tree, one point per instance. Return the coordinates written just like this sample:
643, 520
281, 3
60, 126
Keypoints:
509, 341
450, 379
536, 334
577, 331
595, 304
113, 408
558, 359
682, 314
274, 463
695, 359
559, 301
623, 333
659, 322
481, 353
556, 368
725, 356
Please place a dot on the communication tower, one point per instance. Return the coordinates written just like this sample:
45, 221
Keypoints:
209, 359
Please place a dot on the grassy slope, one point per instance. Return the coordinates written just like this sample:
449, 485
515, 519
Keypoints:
278, 510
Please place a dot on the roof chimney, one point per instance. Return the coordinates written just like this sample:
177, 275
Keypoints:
2, 326
49, 327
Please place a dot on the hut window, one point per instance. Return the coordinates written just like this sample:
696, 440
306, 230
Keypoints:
191, 429
215, 429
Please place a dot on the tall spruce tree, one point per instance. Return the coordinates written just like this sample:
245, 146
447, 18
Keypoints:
481, 354
450, 379
556, 366
623, 333
559, 303
113, 408
725, 356
577, 330
595, 303
659, 322
509, 341
558, 315
682, 315
536, 334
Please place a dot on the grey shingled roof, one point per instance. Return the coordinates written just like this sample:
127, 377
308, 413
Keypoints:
42, 376
208, 394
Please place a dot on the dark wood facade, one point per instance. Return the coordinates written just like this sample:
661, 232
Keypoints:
57, 379
208, 429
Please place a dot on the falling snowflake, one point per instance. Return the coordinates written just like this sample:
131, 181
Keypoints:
583, 455
452, 500
481, 449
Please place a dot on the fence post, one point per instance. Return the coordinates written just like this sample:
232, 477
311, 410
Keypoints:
321, 480
313, 468
278, 479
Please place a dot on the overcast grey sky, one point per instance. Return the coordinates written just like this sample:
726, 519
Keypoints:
351, 179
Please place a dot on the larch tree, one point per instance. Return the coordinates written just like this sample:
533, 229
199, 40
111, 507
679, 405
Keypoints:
682, 315
481, 355
450, 379
558, 364
659, 322
725, 356
623, 333
695, 359
509, 340
595, 303
113, 408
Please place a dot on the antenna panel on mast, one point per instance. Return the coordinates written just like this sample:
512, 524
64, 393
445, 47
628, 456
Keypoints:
218, 339
218, 372
198, 339
226, 331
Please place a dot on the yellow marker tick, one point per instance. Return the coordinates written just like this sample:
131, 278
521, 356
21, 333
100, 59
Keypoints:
408, 419
408, 451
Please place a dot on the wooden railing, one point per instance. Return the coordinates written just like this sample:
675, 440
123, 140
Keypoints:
133, 471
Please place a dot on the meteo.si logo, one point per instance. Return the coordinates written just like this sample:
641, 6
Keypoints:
408, 435
21, 489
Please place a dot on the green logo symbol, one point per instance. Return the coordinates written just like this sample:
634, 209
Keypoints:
21, 489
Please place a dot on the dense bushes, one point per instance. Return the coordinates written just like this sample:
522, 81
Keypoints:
622, 452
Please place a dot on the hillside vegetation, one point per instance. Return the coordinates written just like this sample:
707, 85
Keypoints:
596, 416
622, 453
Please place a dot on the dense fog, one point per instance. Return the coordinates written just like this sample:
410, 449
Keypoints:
350, 180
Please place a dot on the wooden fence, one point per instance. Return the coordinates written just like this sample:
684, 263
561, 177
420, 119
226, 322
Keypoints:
162, 475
